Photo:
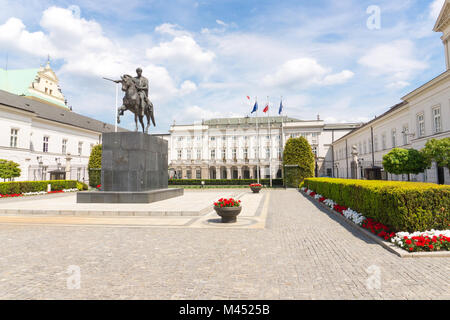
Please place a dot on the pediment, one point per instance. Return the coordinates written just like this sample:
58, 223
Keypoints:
48, 74
444, 18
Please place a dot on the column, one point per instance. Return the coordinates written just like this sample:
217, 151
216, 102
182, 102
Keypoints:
205, 173
229, 173
252, 170
240, 176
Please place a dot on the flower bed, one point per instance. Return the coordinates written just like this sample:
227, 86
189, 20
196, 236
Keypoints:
13, 195
433, 240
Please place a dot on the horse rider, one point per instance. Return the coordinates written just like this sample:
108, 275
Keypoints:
141, 83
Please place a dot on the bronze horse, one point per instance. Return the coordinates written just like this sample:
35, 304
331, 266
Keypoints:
132, 102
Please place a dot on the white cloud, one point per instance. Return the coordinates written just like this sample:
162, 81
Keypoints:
435, 8
188, 87
304, 72
221, 23
182, 54
395, 61
195, 113
172, 30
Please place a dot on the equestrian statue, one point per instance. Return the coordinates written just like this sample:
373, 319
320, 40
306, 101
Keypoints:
136, 99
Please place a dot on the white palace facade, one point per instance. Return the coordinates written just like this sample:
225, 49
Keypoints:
228, 148
422, 115
39, 132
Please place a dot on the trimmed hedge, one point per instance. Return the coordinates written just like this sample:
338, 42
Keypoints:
223, 182
18, 187
402, 206
298, 152
95, 165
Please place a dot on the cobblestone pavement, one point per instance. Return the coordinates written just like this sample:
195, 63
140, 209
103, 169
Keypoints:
303, 253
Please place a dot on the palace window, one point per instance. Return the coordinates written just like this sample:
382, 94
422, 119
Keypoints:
375, 143
394, 137
213, 154
45, 144
188, 154
64, 146
80, 148
179, 154
199, 154
314, 150
365, 147
383, 141
405, 134
198, 174
234, 153
245, 153
224, 153
437, 125
421, 125
267, 153
213, 138
13, 140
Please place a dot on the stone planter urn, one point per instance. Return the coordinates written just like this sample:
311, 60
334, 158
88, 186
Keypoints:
228, 214
255, 187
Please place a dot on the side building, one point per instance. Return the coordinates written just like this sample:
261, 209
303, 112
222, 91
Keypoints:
422, 115
38, 130
228, 148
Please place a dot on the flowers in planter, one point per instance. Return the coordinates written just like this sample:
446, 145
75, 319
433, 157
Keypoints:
227, 203
354, 216
378, 228
36, 193
433, 240
11, 195
256, 185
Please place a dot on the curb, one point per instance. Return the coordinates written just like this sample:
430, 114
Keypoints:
387, 245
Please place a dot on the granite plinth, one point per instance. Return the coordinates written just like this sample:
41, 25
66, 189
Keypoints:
134, 162
128, 197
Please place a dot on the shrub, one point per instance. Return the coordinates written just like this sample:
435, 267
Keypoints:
95, 165
18, 187
438, 151
298, 152
223, 182
402, 206
9, 169
404, 161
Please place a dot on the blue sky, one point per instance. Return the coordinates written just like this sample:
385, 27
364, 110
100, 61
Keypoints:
204, 57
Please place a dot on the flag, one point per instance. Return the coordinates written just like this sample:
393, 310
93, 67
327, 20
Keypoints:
248, 97
266, 108
281, 107
255, 107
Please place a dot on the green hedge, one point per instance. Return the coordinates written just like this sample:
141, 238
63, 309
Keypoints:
402, 206
223, 182
18, 187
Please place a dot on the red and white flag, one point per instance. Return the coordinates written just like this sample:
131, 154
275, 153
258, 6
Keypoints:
266, 108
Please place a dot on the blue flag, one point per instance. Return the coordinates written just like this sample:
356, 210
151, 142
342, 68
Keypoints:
255, 107
281, 107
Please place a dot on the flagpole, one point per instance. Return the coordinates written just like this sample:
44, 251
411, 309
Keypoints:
117, 107
257, 148
282, 137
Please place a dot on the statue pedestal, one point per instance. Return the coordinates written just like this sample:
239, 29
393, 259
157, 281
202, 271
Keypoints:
134, 170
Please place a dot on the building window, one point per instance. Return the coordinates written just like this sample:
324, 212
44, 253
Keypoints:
314, 150
437, 125
405, 134
180, 138
383, 141
179, 154
394, 138
79, 174
199, 154
375, 143
224, 154
80, 148
188, 154
370, 145
189, 174
13, 140
64, 146
213, 154
213, 138
267, 153
45, 144
245, 153
279, 154
365, 147
420, 125
234, 154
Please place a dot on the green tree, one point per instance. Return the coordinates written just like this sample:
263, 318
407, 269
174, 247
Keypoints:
298, 154
404, 161
437, 151
95, 165
9, 169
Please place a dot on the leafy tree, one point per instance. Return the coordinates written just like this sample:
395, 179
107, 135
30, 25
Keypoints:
404, 161
298, 152
95, 165
438, 151
9, 169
